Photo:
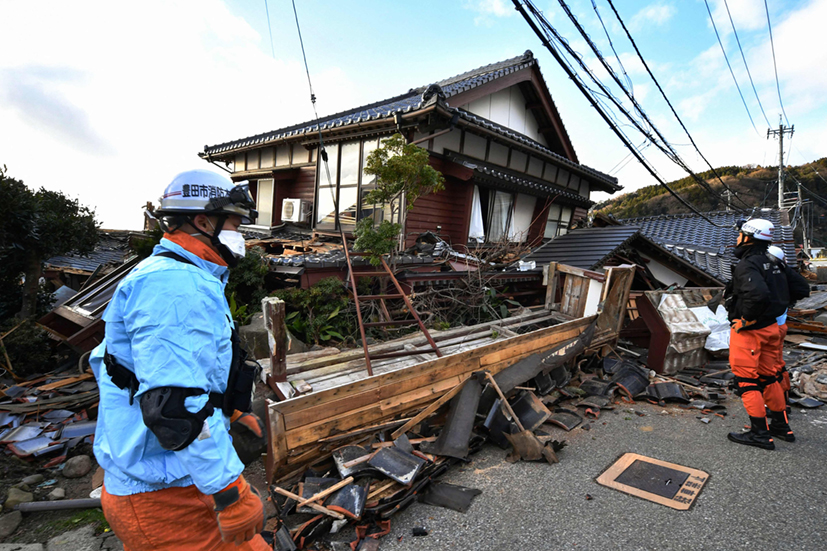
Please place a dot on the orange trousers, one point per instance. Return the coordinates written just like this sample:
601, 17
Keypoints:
780, 364
179, 519
754, 352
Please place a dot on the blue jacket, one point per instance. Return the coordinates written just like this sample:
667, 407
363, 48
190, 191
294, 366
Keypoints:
169, 323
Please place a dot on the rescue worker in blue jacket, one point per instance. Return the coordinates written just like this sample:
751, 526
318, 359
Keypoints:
799, 288
171, 377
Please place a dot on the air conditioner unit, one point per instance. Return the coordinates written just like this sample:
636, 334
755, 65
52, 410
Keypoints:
294, 210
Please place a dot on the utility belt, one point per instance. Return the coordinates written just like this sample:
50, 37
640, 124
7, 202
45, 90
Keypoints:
240, 381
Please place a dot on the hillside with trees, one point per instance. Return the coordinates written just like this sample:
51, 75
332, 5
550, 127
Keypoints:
756, 185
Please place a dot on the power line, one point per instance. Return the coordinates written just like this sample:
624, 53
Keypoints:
671, 153
267, 11
521, 5
666, 99
730, 67
743, 57
612, 46
774, 66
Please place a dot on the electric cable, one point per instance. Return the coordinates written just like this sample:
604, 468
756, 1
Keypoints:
743, 57
671, 153
611, 44
731, 72
666, 99
774, 66
269, 29
520, 5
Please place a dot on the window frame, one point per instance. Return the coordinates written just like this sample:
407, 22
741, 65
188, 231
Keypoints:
396, 206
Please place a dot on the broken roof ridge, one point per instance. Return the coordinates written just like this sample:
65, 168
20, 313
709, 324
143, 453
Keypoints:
526, 58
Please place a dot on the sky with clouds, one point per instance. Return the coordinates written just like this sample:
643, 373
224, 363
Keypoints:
107, 101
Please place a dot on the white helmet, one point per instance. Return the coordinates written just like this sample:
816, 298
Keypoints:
777, 252
757, 228
206, 192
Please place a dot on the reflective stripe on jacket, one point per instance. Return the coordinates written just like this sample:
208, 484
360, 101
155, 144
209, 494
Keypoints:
169, 323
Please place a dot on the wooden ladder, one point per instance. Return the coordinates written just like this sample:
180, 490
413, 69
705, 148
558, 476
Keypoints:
384, 272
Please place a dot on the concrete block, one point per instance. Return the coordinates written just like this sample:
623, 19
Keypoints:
82, 539
254, 337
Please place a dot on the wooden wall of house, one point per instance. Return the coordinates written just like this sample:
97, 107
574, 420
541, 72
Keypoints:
538, 224
300, 185
450, 208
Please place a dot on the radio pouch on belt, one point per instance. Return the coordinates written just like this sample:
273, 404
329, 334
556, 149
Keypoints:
242, 378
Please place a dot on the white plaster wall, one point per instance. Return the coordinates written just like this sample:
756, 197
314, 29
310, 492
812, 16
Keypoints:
664, 273
593, 297
507, 107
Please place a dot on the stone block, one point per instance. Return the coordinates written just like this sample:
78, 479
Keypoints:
82, 539
77, 466
16, 497
9, 523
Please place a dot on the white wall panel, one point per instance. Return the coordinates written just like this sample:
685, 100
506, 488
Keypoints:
517, 114
448, 141
498, 154
474, 146
501, 107
481, 107
267, 157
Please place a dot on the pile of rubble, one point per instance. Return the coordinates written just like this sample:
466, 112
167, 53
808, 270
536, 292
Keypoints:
527, 407
48, 416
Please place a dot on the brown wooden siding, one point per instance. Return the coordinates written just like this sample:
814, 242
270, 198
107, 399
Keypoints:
300, 185
450, 208
579, 213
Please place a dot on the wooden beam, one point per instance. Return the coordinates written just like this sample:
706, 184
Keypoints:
274, 314
314, 506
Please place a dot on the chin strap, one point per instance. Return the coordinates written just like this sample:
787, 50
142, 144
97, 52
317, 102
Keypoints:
223, 250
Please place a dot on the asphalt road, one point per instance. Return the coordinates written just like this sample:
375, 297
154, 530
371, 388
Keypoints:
754, 499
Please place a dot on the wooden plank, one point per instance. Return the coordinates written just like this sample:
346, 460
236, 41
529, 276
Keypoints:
314, 506
541, 336
428, 410
550, 281
402, 399
325, 493
277, 449
65, 382
375, 412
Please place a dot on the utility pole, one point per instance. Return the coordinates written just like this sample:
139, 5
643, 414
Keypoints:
780, 133
728, 194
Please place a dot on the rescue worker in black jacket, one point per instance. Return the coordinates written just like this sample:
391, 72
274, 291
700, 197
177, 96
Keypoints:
758, 293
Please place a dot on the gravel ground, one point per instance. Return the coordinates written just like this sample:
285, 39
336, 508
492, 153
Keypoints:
754, 498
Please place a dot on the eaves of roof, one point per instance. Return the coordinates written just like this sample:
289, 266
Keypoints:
488, 172
609, 183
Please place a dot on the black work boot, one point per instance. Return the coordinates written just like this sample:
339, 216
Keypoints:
780, 427
758, 435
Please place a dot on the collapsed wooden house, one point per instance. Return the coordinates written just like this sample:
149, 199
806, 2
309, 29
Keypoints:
307, 428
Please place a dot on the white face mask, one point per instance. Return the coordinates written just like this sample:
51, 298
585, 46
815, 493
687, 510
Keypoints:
234, 241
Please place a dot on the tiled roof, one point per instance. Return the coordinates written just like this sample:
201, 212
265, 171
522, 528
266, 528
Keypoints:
413, 100
611, 181
586, 248
522, 181
706, 246
112, 249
